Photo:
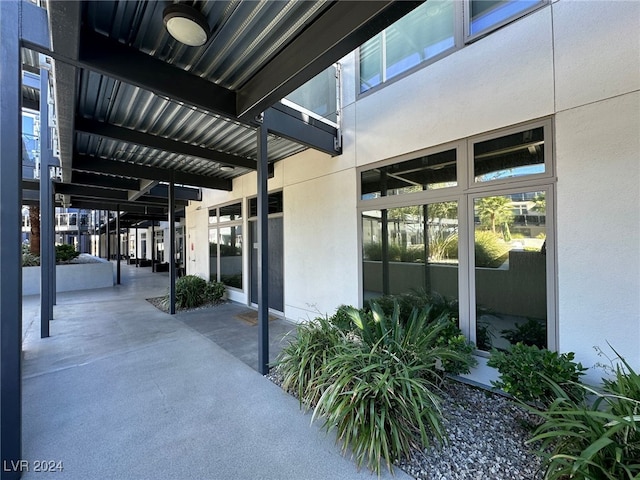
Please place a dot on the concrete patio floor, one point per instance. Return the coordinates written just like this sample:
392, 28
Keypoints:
122, 390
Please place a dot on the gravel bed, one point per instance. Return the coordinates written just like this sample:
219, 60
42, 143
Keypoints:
487, 434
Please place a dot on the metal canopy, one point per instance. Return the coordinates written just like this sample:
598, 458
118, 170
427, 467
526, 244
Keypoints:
133, 103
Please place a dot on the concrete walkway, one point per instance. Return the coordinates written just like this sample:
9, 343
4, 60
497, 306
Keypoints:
122, 390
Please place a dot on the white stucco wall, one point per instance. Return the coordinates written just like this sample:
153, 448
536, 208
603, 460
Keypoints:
598, 157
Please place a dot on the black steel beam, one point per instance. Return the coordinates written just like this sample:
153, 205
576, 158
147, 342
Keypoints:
10, 255
292, 124
112, 58
106, 130
342, 28
87, 163
181, 193
156, 212
106, 181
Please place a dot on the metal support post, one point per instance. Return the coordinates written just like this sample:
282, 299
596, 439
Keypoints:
137, 255
10, 236
263, 249
172, 249
153, 246
47, 231
108, 234
118, 246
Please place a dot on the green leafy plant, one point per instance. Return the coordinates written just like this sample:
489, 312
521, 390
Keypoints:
490, 250
65, 253
190, 291
341, 319
417, 335
380, 394
438, 309
30, 260
521, 368
301, 362
532, 332
598, 439
214, 292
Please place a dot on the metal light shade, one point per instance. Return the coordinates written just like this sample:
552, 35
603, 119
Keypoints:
186, 24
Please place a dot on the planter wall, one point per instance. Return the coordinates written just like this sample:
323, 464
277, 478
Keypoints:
83, 276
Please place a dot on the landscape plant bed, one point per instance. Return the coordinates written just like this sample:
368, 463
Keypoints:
486, 438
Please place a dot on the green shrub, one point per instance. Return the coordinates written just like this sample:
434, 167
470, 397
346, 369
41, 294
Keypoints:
490, 251
29, 260
214, 292
381, 405
65, 253
417, 335
533, 332
595, 440
436, 309
521, 369
341, 319
302, 361
190, 291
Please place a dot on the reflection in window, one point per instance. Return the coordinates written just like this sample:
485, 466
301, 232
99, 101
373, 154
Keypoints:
509, 156
510, 270
411, 248
213, 254
429, 172
231, 256
487, 14
231, 212
275, 204
421, 35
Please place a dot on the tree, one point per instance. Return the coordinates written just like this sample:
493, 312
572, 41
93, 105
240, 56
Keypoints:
494, 211
540, 203
34, 237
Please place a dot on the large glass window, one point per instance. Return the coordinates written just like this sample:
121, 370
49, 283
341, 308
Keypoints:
225, 245
486, 15
492, 221
420, 36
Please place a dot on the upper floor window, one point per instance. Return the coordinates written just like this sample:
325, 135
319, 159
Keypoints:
416, 38
486, 15
432, 31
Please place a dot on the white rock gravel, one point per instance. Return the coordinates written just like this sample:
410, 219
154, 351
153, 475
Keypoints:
487, 434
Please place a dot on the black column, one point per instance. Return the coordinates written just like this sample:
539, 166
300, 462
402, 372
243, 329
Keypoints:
172, 250
118, 245
263, 249
47, 232
10, 239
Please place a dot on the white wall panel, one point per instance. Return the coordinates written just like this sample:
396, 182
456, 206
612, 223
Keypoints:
597, 47
321, 250
598, 165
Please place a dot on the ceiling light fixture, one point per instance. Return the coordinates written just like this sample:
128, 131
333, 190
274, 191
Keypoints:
186, 24
226, 168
